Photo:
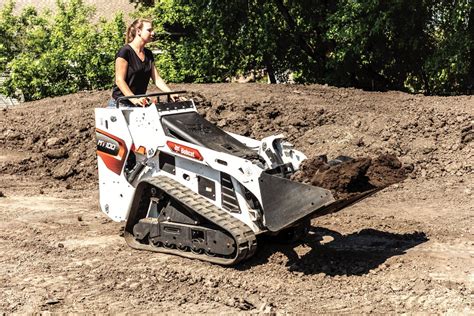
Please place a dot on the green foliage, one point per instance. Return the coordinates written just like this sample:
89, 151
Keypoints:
450, 66
219, 39
377, 44
418, 46
62, 54
8, 32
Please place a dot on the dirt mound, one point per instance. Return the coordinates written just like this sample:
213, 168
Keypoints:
54, 138
432, 133
347, 177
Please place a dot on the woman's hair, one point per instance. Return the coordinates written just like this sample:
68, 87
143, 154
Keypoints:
132, 29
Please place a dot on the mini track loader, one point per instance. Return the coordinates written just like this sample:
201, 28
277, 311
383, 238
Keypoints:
185, 187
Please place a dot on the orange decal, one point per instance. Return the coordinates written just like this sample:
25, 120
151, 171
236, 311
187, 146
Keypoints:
184, 150
112, 150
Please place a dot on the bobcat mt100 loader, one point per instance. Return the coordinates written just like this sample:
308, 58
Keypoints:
183, 186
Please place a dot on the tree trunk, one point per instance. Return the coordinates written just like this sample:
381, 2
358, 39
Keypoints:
290, 21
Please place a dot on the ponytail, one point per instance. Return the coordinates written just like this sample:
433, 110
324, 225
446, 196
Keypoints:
133, 28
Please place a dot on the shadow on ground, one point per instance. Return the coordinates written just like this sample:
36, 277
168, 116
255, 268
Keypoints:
334, 254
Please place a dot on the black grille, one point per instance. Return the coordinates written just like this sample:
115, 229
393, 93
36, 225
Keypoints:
229, 199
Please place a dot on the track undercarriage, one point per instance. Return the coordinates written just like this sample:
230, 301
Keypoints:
170, 218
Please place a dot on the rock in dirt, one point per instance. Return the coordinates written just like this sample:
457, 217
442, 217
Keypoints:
56, 154
63, 171
53, 141
467, 134
347, 177
52, 301
240, 303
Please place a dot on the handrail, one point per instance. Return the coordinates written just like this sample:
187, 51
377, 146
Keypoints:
120, 99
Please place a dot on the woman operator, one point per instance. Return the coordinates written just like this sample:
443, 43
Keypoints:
134, 66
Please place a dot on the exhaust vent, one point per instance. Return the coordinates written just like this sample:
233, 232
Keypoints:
229, 199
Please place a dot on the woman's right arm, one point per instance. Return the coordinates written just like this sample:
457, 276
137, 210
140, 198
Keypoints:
121, 66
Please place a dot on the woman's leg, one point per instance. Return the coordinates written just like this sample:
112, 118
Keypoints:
112, 103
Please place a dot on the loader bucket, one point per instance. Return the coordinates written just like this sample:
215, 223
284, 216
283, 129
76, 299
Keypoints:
286, 202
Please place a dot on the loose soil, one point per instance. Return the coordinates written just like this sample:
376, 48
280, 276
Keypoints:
407, 248
347, 177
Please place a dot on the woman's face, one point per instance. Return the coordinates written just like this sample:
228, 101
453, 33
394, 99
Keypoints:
147, 32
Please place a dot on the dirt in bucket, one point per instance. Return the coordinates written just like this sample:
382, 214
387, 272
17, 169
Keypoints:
347, 177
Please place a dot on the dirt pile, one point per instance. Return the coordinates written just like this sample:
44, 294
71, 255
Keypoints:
432, 133
54, 138
347, 177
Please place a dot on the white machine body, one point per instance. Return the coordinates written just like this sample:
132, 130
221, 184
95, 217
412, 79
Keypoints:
124, 133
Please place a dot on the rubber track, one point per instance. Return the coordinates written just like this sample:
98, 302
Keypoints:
245, 240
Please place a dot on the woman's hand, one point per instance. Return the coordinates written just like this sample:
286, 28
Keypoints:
177, 98
142, 102
174, 97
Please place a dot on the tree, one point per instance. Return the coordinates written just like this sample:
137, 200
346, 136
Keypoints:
62, 54
8, 31
449, 67
418, 46
371, 44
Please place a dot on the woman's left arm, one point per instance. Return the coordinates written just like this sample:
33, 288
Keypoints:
159, 82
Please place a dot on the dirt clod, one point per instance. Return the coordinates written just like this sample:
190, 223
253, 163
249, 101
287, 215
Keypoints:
347, 177
56, 154
467, 134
